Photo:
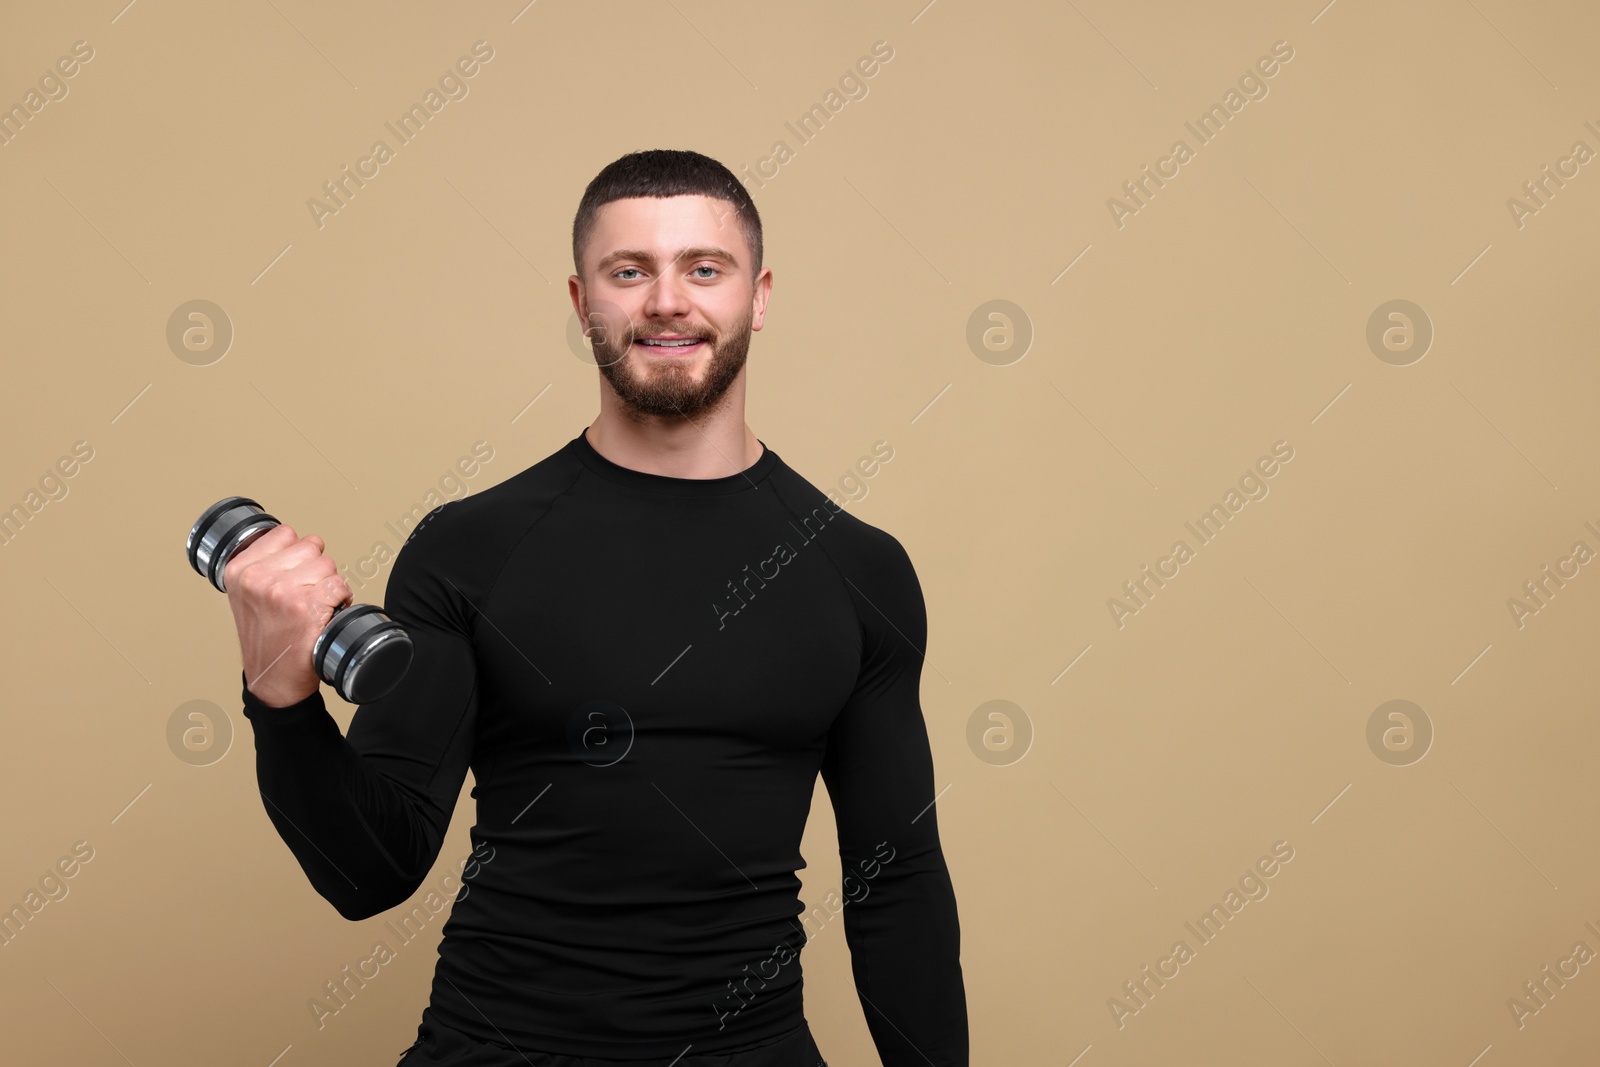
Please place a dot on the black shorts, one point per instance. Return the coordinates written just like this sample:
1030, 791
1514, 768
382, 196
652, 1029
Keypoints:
441, 1046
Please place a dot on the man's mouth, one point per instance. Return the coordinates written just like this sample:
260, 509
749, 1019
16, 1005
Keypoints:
665, 346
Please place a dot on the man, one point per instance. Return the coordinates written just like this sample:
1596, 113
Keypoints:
644, 766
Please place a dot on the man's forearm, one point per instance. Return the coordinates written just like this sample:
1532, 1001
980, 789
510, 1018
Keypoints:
905, 954
363, 842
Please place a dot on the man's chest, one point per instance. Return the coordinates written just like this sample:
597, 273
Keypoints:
745, 631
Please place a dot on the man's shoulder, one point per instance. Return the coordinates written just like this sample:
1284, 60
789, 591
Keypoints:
468, 538
850, 538
526, 493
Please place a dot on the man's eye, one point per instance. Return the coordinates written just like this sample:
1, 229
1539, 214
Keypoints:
634, 269
713, 270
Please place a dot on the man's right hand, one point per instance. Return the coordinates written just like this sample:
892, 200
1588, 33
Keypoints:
283, 590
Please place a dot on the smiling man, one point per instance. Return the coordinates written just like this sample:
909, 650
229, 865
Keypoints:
645, 733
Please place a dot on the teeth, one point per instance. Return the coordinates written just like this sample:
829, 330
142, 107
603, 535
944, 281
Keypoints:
671, 344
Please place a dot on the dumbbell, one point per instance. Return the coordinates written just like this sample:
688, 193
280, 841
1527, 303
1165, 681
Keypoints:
362, 652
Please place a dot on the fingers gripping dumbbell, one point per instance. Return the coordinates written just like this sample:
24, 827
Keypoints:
362, 652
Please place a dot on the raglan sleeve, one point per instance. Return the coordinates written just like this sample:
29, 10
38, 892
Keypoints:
365, 813
900, 915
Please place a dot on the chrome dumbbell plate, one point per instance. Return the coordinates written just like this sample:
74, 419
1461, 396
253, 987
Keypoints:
362, 653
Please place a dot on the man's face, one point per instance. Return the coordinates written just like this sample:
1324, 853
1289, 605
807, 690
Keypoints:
659, 268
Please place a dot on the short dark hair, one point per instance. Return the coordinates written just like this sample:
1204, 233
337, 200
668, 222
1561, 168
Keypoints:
663, 172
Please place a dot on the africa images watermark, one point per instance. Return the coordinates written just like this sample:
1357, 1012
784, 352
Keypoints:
337, 994
853, 482
52, 88
784, 552
452, 86
1254, 486
729, 1006
1539, 190
451, 485
1538, 992
1253, 86
1252, 887
52, 487
814, 120
1539, 591
52, 889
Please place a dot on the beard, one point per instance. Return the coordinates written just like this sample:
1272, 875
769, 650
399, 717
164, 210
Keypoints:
669, 389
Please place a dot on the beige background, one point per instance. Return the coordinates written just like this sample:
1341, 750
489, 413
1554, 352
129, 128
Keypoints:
1228, 314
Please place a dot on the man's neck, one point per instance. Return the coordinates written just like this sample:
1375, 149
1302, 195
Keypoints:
711, 448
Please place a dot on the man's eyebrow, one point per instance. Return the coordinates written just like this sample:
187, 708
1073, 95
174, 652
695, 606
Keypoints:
708, 252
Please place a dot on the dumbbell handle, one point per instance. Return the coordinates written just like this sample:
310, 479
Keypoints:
355, 636
215, 552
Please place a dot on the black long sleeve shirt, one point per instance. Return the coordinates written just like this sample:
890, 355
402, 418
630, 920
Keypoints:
645, 674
